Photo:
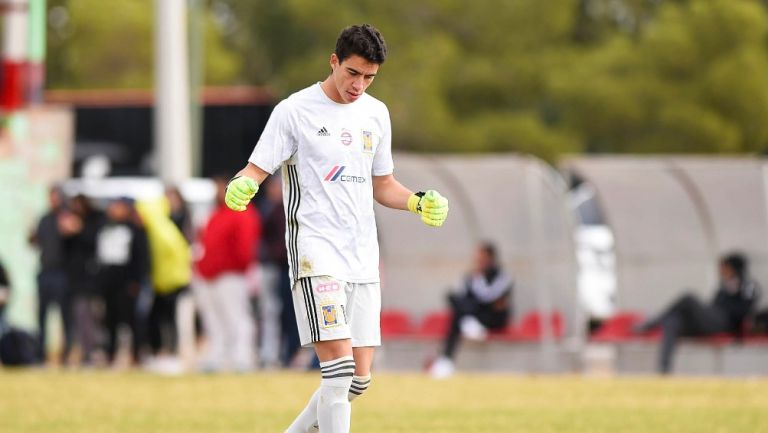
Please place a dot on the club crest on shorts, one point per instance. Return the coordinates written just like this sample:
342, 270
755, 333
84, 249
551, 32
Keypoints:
330, 315
367, 142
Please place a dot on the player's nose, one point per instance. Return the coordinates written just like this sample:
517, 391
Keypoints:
358, 85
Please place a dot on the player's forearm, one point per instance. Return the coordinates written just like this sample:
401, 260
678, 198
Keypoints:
254, 172
390, 193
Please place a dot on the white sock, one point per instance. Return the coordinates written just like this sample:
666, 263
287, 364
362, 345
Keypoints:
307, 419
333, 408
359, 385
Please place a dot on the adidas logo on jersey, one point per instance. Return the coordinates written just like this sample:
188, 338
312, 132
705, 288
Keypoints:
323, 132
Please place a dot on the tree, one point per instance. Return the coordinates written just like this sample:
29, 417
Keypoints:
542, 77
98, 44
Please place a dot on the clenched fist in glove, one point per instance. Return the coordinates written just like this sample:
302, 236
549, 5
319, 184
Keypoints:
432, 207
240, 191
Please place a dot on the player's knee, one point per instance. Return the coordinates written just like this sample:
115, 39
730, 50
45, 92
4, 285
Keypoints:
359, 385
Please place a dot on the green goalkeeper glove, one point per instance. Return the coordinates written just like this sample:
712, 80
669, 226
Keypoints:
432, 207
240, 191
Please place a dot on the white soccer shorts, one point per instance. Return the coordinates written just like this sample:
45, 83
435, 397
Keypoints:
329, 309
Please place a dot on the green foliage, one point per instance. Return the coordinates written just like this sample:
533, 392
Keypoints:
92, 48
693, 80
105, 44
541, 77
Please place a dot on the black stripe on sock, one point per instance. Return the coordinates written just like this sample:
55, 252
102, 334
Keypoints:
332, 376
337, 363
354, 388
342, 367
355, 392
358, 382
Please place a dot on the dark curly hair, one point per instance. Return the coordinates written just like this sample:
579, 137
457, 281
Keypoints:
363, 40
737, 262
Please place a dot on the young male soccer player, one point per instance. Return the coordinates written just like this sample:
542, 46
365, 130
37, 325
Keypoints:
333, 142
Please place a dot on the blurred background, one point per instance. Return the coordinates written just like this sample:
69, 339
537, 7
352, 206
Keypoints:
611, 150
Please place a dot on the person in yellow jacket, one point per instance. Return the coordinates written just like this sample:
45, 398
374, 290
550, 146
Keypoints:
171, 271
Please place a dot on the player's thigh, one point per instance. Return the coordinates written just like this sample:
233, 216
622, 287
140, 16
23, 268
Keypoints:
364, 313
320, 304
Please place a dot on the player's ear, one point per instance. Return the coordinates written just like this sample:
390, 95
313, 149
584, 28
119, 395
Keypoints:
334, 62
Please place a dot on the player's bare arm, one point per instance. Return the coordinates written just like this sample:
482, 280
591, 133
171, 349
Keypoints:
432, 206
389, 192
254, 172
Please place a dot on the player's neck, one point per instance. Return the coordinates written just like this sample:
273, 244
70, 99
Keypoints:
331, 91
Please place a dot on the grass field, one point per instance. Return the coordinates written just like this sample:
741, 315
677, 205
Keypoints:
104, 402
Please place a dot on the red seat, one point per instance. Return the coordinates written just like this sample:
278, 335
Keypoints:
756, 340
508, 333
395, 323
618, 328
719, 339
530, 326
435, 324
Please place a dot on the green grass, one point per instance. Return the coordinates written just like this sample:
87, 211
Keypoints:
104, 402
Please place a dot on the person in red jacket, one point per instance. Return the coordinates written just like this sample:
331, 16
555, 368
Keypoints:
229, 241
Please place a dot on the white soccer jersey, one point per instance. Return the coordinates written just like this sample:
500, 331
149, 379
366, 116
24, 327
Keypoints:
328, 153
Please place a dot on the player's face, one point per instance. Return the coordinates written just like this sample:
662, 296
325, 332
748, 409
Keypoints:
118, 211
54, 199
483, 260
726, 272
352, 77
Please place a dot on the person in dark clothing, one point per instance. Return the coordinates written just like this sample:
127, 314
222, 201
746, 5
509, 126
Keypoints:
276, 255
123, 255
5, 292
180, 212
736, 296
483, 303
50, 237
165, 221
162, 317
82, 271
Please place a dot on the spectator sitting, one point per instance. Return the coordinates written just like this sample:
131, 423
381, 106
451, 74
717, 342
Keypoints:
482, 304
688, 316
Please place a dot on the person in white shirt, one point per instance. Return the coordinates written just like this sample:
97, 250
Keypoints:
332, 142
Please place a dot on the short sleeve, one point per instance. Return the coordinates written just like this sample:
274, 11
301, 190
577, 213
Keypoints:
277, 142
382, 160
